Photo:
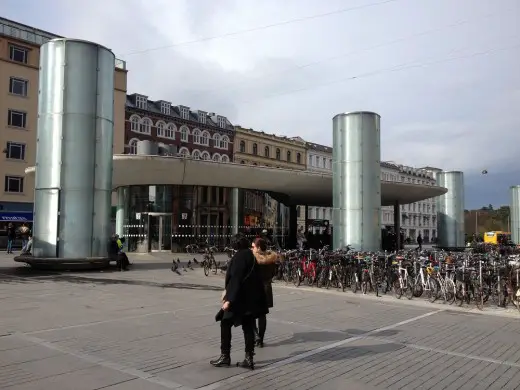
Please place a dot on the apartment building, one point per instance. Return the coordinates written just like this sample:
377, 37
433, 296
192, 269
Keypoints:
19, 71
259, 148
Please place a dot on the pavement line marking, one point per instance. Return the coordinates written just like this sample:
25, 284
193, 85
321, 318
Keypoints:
158, 313
105, 363
313, 352
404, 344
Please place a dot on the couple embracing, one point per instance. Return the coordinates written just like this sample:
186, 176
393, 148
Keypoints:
247, 298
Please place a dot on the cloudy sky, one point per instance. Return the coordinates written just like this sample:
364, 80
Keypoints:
443, 74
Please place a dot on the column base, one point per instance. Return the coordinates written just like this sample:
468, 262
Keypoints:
55, 264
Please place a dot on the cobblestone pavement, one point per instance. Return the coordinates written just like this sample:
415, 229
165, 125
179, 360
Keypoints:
152, 329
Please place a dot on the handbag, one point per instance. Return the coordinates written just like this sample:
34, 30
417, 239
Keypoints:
220, 315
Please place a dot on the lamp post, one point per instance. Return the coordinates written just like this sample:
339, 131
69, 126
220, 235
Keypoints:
484, 172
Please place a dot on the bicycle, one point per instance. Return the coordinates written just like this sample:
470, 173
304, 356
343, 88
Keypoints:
208, 262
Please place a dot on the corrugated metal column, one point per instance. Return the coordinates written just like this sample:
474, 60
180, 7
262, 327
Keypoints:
120, 210
73, 184
450, 210
356, 181
515, 214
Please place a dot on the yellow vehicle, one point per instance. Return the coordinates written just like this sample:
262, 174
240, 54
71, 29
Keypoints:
497, 238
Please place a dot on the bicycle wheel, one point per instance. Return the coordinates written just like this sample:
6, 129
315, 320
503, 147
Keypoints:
450, 291
397, 290
206, 266
409, 290
434, 290
214, 265
353, 283
364, 287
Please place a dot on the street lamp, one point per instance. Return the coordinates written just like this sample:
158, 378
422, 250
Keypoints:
484, 172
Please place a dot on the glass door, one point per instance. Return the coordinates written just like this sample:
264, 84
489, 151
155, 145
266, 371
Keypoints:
159, 232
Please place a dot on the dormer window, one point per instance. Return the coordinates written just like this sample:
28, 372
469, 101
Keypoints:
141, 102
185, 112
165, 108
202, 117
221, 122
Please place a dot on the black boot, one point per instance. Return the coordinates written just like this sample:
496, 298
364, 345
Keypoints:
248, 361
259, 342
223, 360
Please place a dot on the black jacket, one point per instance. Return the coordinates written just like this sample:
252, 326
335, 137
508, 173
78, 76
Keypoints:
11, 233
244, 288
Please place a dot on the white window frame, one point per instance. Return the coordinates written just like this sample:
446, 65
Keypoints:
132, 146
12, 113
165, 108
184, 152
221, 122
185, 133
196, 136
205, 138
160, 127
216, 157
202, 117
146, 126
135, 123
185, 113
224, 142
7, 186
170, 131
141, 102
216, 140
196, 155
205, 156
14, 48
25, 83
12, 144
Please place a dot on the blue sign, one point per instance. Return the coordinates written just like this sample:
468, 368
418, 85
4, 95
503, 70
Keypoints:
16, 216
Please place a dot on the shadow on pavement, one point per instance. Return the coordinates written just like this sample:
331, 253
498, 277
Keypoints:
108, 281
344, 353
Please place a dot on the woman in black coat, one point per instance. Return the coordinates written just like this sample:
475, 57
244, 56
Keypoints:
244, 301
266, 262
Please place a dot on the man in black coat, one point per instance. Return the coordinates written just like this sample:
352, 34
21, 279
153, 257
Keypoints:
244, 301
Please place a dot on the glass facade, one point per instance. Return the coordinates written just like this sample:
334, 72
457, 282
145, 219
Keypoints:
169, 217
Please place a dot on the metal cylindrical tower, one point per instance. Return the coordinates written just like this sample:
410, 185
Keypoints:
356, 180
450, 210
515, 214
73, 182
147, 148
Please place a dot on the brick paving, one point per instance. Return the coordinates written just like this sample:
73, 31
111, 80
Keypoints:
152, 329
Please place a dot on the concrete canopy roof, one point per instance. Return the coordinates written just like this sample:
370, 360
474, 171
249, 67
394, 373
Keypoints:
301, 187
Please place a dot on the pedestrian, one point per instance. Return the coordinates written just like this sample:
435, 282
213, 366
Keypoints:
266, 263
24, 234
243, 301
11, 235
419, 242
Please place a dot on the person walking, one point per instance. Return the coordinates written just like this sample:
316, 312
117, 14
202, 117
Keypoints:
11, 235
243, 301
419, 242
24, 234
266, 262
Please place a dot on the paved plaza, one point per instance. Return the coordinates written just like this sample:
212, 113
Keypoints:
152, 329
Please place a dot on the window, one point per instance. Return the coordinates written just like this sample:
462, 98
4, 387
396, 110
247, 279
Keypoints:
184, 152
15, 151
197, 139
224, 158
160, 128
289, 156
18, 86
224, 142
184, 134
266, 151
202, 117
205, 138
135, 122
216, 157
195, 155
185, 112
146, 126
216, 140
324, 162
170, 131
13, 184
141, 102
205, 156
132, 146
255, 149
298, 158
278, 154
18, 54
165, 108
221, 122
17, 119
242, 147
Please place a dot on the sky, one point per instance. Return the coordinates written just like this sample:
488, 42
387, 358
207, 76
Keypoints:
443, 74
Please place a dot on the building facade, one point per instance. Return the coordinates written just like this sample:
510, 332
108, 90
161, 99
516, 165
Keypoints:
19, 89
262, 149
